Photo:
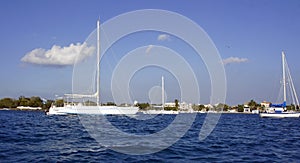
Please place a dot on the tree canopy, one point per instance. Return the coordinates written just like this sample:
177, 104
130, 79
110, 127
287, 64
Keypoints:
33, 101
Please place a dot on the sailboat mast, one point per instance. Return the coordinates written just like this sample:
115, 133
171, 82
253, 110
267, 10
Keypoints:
162, 92
98, 62
283, 78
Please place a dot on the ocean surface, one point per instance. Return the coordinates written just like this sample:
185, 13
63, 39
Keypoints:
30, 136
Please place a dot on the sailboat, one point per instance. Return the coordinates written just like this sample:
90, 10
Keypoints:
79, 108
279, 110
162, 110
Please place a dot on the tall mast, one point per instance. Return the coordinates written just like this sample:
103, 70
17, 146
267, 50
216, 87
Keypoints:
162, 92
283, 78
98, 62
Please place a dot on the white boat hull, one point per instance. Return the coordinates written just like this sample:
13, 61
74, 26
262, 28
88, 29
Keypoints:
93, 110
160, 112
279, 115
53, 110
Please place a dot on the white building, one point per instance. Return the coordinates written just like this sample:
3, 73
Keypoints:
265, 104
182, 105
247, 108
169, 104
185, 106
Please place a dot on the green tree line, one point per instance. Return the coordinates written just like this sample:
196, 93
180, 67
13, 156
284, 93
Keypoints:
33, 101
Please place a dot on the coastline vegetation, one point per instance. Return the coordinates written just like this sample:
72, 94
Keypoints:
33, 101
44, 104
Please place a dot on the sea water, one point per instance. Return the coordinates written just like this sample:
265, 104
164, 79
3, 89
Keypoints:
32, 136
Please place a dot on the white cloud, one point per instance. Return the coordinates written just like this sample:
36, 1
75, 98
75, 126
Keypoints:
163, 37
58, 56
234, 60
149, 48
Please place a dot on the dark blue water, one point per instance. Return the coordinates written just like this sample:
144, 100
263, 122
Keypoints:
35, 137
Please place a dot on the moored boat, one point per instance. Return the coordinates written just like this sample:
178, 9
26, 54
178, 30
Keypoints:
161, 109
96, 108
279, 115
280, 110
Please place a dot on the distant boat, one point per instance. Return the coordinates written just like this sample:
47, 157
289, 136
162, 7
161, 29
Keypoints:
28, 108
161, 110
279, 110
80, 108
5, 109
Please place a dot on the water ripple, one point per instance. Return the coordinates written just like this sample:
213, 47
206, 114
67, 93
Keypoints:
35, 137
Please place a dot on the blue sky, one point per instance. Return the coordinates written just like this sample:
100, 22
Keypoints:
256, 31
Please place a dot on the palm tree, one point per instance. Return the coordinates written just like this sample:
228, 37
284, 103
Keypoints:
176, 104
252, 104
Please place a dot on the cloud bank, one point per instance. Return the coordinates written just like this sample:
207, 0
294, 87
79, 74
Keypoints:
163, 37
234, 60
58, 56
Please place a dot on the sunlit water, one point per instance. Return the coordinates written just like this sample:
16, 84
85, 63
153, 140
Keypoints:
33, 136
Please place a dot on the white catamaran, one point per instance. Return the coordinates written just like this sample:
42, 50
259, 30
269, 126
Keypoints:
279, 110
80, 108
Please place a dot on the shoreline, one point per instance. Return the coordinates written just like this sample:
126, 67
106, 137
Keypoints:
195, 112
